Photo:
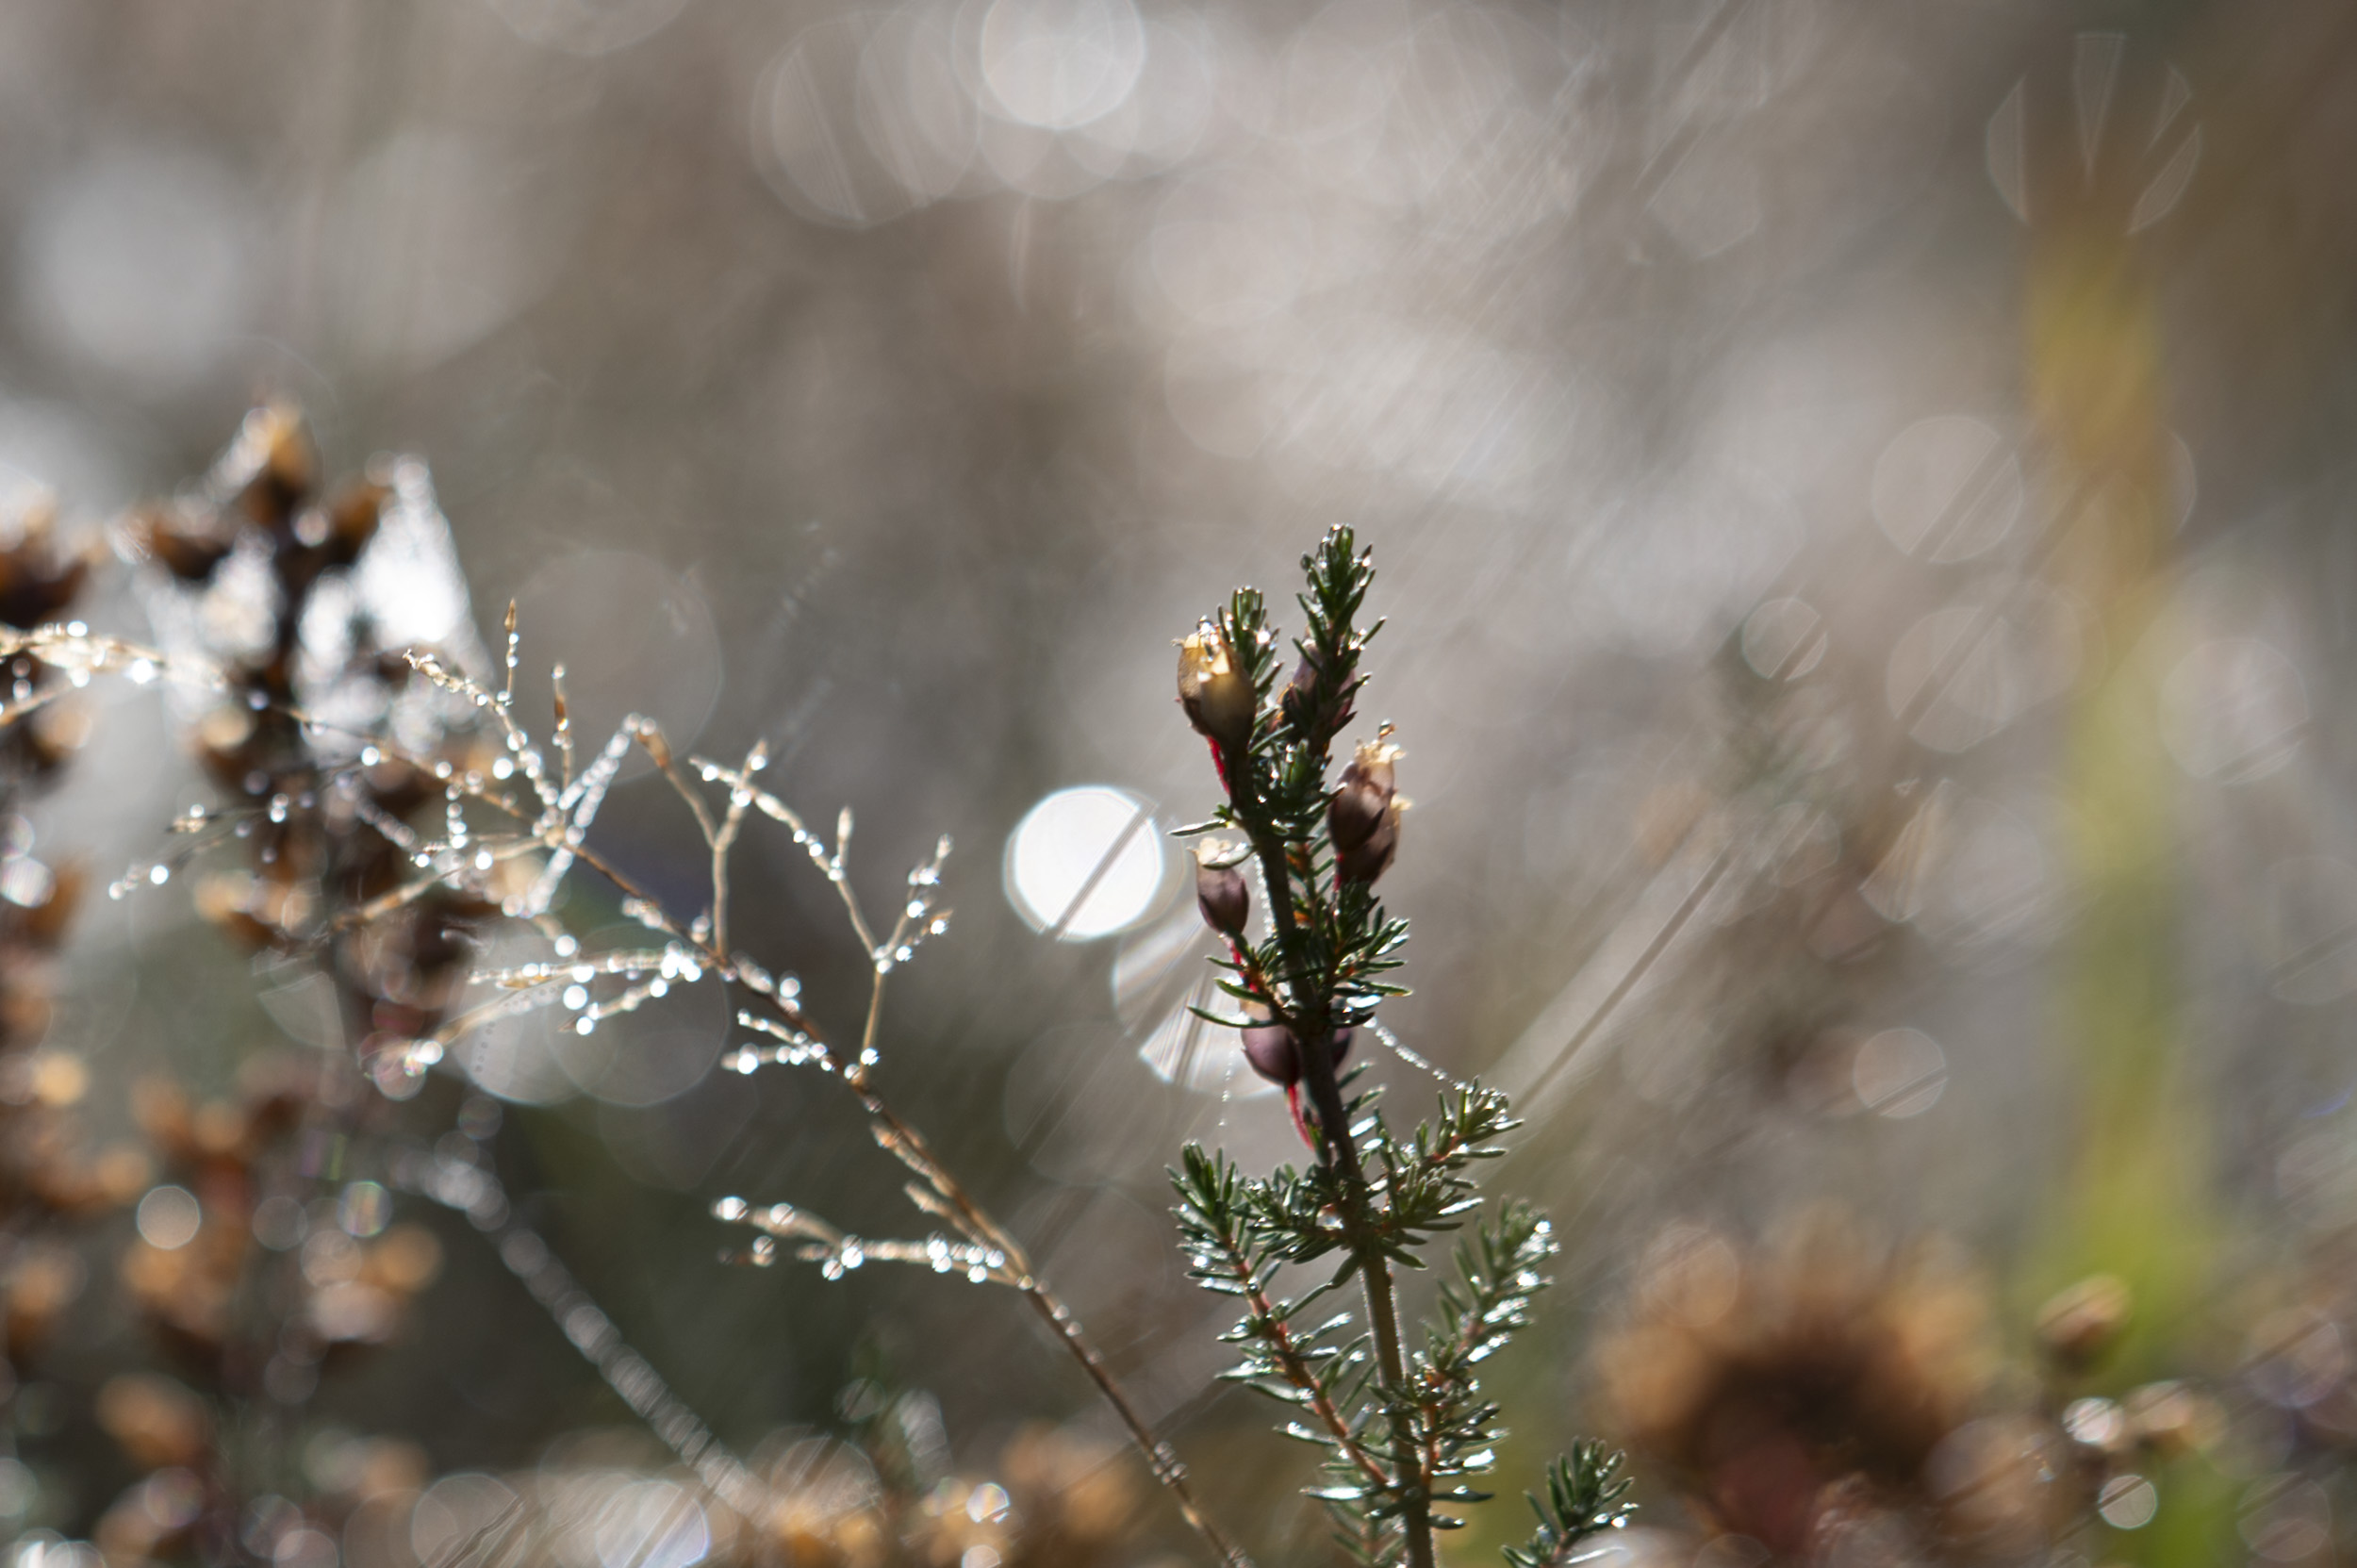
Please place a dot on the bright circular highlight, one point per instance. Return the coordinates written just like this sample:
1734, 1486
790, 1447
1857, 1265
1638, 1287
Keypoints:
1085, 863
169, 1219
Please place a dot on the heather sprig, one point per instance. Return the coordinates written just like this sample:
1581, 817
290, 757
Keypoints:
1586, 1496
1402, 1435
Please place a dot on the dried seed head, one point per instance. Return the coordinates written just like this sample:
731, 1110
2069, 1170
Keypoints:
1363, 799
188, 541
273, 465
1220, 890
352, 520
1218, 699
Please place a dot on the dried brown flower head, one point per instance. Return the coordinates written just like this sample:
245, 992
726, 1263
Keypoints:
1797, 1386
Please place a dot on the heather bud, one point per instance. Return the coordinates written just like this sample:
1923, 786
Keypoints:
1272, 1052
1218, 698
1270, 1049
1362, 802
1373, 855
1220, 890
1298, 692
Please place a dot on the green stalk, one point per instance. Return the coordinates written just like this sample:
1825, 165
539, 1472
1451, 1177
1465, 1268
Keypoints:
1311, 1020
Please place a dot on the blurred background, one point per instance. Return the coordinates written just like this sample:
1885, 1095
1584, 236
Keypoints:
1862, 497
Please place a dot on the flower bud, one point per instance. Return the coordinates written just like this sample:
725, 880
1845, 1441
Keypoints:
1218, 699
1272, 1052
1371, 856
1363, 799
1220, 890
1295, 698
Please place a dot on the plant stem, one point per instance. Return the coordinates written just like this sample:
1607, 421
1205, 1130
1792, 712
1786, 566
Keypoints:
1311, 1020
912, 1149
1167, 1469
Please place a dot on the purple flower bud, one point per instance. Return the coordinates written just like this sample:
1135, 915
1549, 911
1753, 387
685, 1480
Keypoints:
1363, 799
1220, 890
1218, 698
1371, 856
1299, 691
1272, 1052
1270, 1049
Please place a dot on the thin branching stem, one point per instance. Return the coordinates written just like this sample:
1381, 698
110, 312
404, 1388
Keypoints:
1298, 1373
899, 1136
1167, 1469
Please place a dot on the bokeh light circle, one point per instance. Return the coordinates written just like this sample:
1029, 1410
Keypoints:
1058, 64
1086, 862
2234, 709
652, 1523
806, 136
142, 261
455, 1509
1947, 488
586, 27
169, 1219
1900, 1073
1784, 640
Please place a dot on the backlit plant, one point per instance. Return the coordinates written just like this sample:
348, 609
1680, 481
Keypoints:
1406, 1430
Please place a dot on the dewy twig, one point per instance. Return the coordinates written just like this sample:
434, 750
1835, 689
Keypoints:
988, 1252
554, 817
